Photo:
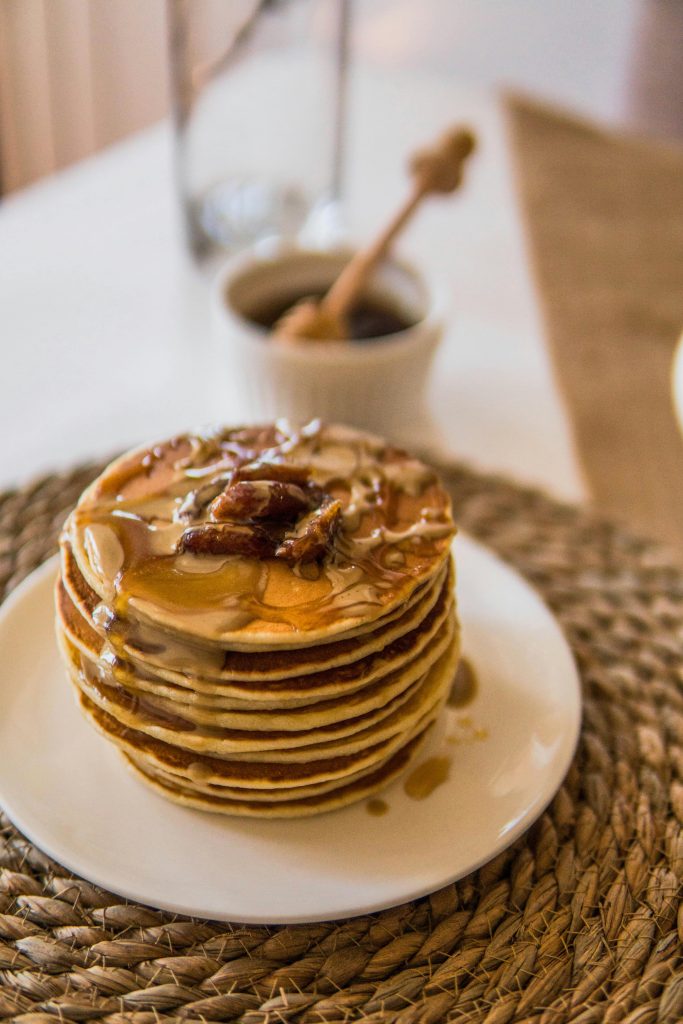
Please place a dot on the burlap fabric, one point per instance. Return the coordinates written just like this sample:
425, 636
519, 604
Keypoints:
604, 215
579, 921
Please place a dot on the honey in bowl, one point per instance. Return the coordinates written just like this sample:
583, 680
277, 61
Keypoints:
378, 385
369, 319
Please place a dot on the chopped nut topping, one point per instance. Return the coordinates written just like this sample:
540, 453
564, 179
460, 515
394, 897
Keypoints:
313, 534
196, 501
227, 539
261, 499
262, 509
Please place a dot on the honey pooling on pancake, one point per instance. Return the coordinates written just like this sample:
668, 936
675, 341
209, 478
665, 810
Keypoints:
268, 596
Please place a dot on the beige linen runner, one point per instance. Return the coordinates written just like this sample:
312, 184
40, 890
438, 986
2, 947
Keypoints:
604, 214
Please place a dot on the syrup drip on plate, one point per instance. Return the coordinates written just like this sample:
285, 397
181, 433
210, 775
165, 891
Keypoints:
424, 779
465, 685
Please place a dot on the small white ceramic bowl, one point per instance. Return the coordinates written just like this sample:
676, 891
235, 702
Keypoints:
378, 384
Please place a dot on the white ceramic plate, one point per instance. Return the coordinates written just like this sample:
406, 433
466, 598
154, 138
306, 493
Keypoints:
69, 791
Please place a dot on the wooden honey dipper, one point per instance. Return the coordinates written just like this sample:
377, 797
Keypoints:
438, 169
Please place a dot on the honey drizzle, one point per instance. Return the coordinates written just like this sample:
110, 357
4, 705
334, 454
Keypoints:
368, 559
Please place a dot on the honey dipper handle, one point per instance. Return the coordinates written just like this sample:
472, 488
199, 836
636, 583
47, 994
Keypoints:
437, 169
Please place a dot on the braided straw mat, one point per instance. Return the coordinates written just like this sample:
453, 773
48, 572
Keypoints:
578, 921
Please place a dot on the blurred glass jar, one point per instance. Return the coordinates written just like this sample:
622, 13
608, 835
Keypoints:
258, 99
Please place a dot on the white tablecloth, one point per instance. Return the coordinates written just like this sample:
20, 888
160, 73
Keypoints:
104, 326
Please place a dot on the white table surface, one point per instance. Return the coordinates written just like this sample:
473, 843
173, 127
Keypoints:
104, 326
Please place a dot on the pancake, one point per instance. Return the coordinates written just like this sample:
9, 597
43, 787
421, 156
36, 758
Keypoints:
315, 738
127, 529
333, 718
169, 656
261, 619
243, 774
314, 683
305, 806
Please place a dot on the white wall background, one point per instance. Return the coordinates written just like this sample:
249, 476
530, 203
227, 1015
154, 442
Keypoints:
75, 75
577, 52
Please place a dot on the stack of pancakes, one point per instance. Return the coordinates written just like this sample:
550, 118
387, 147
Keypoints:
261, 619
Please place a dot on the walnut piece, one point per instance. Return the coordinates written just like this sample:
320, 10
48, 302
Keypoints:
263, 509
313, 534
227, 539
194, 503
260, 499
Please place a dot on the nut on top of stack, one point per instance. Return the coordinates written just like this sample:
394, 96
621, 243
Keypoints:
262, 619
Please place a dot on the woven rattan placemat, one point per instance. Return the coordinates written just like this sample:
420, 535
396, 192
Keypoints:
579, 921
